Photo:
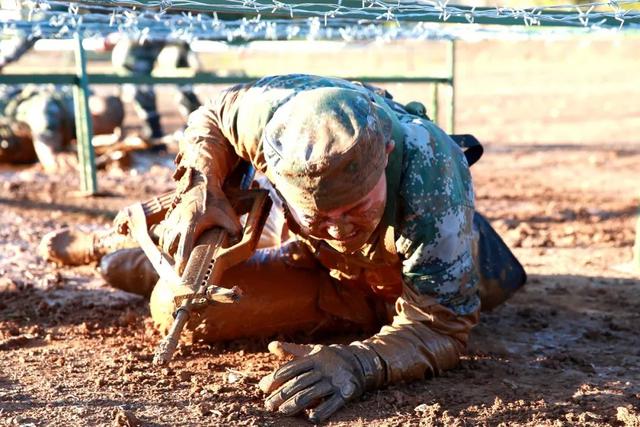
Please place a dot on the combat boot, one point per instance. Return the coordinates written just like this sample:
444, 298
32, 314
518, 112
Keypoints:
129, 270
74, 247
152, 129
69, 247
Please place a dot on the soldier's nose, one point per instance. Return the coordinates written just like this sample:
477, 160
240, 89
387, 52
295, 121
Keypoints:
341, 230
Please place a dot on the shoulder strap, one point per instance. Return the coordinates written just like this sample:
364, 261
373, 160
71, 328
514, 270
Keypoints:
473, 149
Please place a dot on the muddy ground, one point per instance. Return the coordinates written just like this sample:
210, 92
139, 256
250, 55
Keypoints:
563, 351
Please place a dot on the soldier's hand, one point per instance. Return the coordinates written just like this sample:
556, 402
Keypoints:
199, 209
320, 380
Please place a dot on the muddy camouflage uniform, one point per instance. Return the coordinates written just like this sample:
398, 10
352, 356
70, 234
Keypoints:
415, 280
425, 239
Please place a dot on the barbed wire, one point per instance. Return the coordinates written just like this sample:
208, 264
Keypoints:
247, 20
402, 10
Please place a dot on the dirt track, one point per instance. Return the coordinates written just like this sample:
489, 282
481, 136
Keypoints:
564, 351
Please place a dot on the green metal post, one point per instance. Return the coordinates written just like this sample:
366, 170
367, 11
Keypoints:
636, 247
84, 125
434, 103
451, 128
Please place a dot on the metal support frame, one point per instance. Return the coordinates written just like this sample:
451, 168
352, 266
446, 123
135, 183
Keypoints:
435, 96
636, 246
80, 81
84, 124
450, 82
451, 128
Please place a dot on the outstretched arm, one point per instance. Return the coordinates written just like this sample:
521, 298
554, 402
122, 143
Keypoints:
439, 304
435, 313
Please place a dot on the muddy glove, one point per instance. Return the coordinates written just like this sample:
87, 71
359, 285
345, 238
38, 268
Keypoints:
321, 379
203, 163
199, 206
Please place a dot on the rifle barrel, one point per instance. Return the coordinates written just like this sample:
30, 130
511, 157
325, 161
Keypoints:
166, 348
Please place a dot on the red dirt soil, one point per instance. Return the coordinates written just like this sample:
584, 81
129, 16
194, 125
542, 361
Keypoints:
563, 351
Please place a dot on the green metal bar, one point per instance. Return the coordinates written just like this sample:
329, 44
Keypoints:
58, 79
268, 10
434, 103
451, 127
84, 125
201, 78
198, 78
636, 246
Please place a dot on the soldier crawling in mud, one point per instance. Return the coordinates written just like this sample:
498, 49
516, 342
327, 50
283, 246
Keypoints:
37, 123
381, 206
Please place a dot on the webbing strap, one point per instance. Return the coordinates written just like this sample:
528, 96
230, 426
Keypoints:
473, 149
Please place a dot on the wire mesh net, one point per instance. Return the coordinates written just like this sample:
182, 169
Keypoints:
238, 20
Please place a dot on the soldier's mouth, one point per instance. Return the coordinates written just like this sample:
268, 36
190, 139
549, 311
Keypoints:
348, 238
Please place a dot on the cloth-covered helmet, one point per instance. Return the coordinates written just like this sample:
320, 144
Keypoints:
326, 147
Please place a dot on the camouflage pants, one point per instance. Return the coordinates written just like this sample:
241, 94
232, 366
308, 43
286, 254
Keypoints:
130, 57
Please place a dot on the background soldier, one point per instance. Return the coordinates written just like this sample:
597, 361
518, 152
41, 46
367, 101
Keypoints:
134, 57
37, 122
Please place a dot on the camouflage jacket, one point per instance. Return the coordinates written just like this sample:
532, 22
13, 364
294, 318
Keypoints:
425, 238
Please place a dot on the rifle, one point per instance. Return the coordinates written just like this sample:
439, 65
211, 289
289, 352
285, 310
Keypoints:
213, 254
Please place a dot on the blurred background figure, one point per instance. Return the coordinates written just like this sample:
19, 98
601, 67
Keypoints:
132, 56
37, 123
13, 48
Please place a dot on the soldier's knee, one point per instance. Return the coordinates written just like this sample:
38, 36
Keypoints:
162, 306
129, 270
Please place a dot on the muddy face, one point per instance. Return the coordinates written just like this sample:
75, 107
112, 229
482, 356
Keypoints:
346, 228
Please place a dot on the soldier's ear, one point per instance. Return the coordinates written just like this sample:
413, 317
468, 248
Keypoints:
386, 127
389, 147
